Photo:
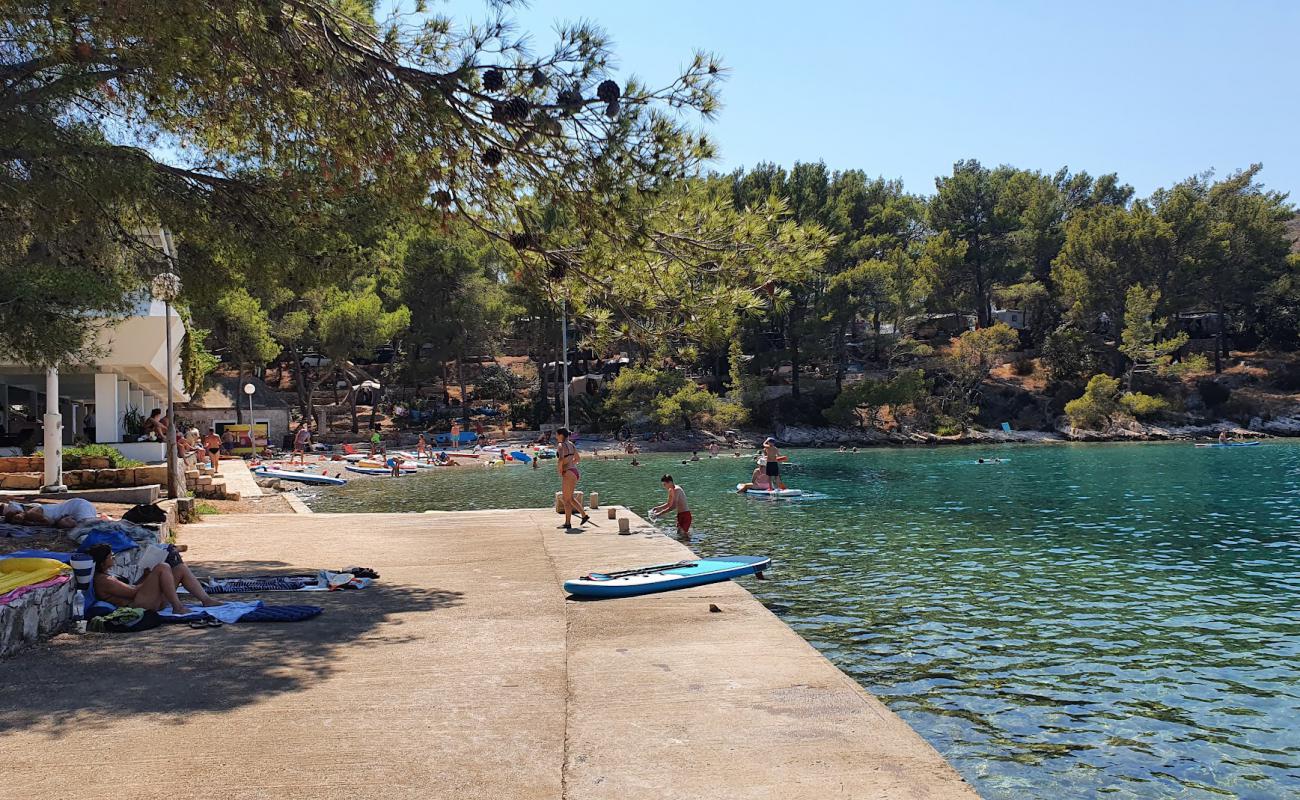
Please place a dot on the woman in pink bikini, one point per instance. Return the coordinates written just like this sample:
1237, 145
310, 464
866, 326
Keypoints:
567, 457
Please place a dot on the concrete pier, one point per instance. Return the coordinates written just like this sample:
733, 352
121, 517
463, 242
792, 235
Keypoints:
464, 674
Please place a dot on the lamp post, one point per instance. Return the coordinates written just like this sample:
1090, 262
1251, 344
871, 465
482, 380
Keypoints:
564, 339
167, 287
252, 427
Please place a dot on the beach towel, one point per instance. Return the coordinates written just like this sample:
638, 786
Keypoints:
10, 531
116, 540
282, 614
323, 581
16, 572
58, 580
136, 533
228, 613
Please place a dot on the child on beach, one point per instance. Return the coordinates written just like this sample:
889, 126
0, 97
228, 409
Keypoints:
676, 502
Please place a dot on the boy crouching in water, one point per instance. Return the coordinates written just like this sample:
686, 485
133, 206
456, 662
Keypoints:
676, 502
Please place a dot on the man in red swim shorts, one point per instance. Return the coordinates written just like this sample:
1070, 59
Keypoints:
676, 502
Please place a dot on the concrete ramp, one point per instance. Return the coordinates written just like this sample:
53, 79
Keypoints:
464, 674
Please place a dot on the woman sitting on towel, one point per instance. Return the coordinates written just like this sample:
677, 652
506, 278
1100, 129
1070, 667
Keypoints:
156, 589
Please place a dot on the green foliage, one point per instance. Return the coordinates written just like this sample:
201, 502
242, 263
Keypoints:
1140, 340
1143, 406
197, 362
860, 403
73, 457
1098, 404
244, 329
634, 394
729, 414
687, 405
1068, 354
354, 324
498, 383
133, 422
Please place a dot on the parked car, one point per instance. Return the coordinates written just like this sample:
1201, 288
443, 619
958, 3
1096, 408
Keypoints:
315, 360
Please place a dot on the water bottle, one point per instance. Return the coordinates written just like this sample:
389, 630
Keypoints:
79, 610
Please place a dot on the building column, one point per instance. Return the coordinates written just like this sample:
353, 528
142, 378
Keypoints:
108, 414
137, 401
53, 435
123, 406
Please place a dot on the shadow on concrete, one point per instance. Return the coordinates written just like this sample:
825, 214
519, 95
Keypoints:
175, 671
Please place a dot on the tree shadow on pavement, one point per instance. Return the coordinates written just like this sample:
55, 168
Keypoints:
175, 671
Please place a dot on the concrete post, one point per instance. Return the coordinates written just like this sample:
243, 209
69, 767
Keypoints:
108, 417
53, 434
137, 402
123, 406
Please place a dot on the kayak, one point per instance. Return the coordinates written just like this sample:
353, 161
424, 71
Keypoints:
300, 477
1230, 444
772, 492
374, 470
665, 577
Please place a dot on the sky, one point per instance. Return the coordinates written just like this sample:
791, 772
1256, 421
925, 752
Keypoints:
1155, 91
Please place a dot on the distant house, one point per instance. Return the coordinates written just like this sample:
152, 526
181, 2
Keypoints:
215, 406
1012, 318
933, 326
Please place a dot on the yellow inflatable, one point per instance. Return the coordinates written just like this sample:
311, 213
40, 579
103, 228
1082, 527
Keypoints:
18, 572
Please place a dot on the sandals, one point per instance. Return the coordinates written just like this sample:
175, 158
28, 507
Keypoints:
586, 519
206, 622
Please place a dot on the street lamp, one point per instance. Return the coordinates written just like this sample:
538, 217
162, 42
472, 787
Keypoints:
166, 287
248, 390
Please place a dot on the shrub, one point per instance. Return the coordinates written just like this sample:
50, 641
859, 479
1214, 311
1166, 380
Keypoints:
1067, 355
730, 414
947, 426
1143, 406
1099, 401
1213, 393
72, 456
1023, 367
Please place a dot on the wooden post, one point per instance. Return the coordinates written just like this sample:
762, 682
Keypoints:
595, 500
613, 512
624, 525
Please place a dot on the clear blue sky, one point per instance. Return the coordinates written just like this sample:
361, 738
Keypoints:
1155, 91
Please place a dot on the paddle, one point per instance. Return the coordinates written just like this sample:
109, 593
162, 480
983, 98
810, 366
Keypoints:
604, 576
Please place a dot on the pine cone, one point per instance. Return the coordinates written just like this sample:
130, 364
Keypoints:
493, 80
611, 110
523, 240
499, 113
539, 78
491, 157
608, 91
516, 109
442, 197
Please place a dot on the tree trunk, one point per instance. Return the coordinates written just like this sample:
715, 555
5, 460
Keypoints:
464, 398
841, 356
239, 405
875, 336
1220, 345
300, 383
352, 396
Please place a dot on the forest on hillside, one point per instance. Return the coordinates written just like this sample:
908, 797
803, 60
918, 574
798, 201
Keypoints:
342, 185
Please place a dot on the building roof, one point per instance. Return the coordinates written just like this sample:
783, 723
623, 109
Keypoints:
222, 391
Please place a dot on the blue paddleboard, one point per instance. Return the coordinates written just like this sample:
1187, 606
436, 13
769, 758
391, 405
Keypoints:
665, 577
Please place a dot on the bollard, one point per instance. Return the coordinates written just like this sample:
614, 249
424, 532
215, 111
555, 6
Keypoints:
595, 499
559, 509
613, 512
624, 525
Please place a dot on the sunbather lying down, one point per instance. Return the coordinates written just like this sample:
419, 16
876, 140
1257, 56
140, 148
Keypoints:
68, 514
156, 589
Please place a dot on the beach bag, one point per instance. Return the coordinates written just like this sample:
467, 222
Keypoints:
145, 514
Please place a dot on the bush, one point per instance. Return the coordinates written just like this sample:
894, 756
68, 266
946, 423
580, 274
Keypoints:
1099, 402
947, 426
1143, 406
72, 456
1067, 355
1024, 367
1213, 393
729, 414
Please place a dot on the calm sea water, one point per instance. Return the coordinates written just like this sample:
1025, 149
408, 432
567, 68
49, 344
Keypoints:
1082, 620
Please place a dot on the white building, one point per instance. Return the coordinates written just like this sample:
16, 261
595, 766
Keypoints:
130, 374
1012, 317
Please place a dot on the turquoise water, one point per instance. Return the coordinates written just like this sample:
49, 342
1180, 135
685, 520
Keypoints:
1083, 620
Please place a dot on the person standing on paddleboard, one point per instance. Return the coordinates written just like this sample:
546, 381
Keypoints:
773, 466
676, 502
567, 458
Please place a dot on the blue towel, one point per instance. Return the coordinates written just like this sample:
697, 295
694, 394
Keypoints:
115, 539
282, 614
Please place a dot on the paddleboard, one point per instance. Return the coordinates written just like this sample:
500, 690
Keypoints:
1230, 444
405, 467
300, 477
772, 492
374, 470
665, 577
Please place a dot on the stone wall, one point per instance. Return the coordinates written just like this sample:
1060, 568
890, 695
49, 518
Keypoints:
88, 478
44, 612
